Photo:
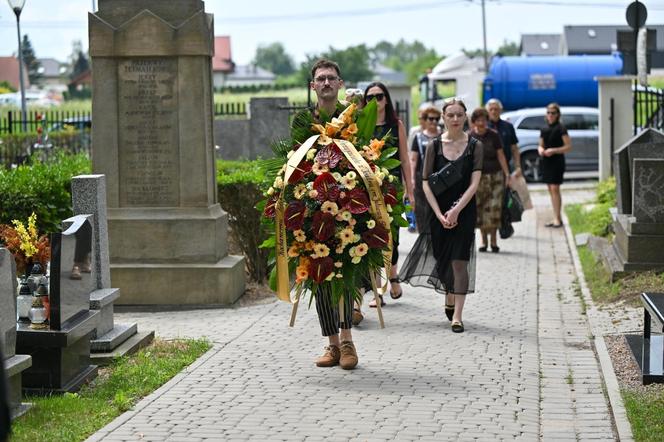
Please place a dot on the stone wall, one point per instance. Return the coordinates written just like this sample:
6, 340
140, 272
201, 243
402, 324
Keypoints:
250, 138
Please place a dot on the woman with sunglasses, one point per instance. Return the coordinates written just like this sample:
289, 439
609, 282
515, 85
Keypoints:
430, 117
387, 122
554, 143
444, 256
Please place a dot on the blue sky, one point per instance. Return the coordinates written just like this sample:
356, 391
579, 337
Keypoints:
306, 27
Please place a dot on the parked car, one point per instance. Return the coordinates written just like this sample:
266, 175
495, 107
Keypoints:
75, 123
582, 124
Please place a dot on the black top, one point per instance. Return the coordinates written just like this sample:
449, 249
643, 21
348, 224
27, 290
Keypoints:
492, 144
553, 135
507, 135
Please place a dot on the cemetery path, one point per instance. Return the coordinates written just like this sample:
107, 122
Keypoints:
525, 368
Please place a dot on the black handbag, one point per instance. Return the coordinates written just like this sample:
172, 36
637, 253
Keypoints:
513, 204
450, 173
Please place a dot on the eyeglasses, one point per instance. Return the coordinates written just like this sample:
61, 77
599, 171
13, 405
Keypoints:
323, 78
433, 118
378, 97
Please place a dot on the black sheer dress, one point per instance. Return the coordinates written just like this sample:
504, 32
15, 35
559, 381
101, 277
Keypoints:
444, 259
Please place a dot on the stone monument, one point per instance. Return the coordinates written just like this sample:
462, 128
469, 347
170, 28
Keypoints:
152, 138
14, 364
110, 340
639, 222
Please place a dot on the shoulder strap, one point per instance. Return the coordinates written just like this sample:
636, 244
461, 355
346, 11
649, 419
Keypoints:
472, 141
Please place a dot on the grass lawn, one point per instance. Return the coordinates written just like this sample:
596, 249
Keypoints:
645, 406
74, 417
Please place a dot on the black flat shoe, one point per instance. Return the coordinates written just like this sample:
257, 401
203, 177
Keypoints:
449, 311
457, 327
495, 249
482, 249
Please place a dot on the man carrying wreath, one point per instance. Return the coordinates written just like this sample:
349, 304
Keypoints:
326, 82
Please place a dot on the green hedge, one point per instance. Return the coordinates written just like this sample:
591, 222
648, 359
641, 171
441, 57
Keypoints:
240, 185
42, 188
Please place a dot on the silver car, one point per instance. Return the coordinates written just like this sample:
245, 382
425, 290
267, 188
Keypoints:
583, 128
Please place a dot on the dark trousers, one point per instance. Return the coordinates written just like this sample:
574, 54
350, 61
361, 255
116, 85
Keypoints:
328, 314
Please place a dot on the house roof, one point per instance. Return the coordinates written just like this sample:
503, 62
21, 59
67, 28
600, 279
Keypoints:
51, 67
222, 60
387, 75
591, 39
84, 78
9, 72
250, 72
540, 44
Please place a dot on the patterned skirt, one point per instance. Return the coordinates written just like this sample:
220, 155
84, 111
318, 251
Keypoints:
490, 200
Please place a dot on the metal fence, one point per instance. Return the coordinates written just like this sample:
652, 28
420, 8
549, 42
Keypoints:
648, 107
11, 121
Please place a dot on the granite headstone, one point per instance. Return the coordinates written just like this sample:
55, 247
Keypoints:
648, 190
70, 293
7, 302
647, 144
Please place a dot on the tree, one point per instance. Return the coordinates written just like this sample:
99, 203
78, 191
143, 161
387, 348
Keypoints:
30, 61
274, 58
508, 48
353, 61
78, 61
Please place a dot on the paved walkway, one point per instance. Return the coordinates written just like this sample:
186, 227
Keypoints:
524, 369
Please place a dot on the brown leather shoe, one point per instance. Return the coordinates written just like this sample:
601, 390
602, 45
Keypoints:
330, 358
348, 359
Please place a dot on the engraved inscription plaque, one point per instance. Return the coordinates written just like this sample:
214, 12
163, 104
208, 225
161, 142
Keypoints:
148, 132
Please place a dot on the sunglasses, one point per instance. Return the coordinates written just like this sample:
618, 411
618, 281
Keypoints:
551, 113
433, 118
378, 97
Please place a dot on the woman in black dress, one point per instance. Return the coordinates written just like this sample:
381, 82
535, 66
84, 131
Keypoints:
554, 143
443, 257
387, 121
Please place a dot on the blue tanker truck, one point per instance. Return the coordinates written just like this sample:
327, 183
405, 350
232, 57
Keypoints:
520, 82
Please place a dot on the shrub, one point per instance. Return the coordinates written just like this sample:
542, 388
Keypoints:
43, 188
599, 218
240, 185
15, 148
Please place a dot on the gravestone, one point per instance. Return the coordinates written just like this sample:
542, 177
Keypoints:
647, 144
14, 364
110, 340
61, 353
152, 132
639, 222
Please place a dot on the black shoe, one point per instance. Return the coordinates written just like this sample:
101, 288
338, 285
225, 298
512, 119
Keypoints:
495, 249
449, 311
457, 327
394, 295
482, 249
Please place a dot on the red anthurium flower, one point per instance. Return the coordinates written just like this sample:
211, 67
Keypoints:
320, 268
358, 201
270, 206
322, 226
327, 187
377, 237
294, 215
330, 155
390, 194
300, 171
